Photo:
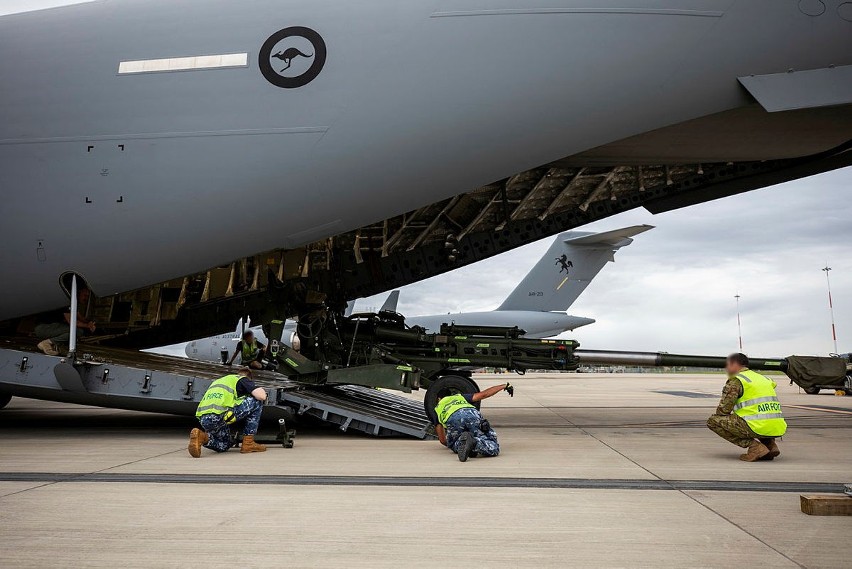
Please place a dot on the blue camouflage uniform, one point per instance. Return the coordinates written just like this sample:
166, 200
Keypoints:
470, 420
218, 430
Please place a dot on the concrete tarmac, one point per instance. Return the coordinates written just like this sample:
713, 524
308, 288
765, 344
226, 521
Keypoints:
596, 470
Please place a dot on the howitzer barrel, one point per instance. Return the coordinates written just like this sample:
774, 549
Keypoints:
660, 359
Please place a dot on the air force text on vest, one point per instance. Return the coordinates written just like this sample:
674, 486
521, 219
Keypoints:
771, 406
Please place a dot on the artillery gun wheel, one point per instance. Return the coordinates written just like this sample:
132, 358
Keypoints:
812, 390
4, 398
444, 386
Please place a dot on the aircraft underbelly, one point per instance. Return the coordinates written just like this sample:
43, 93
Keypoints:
743, 134
133, 180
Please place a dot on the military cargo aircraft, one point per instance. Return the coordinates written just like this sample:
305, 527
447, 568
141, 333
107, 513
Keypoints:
538, 304
403, 124
358, 147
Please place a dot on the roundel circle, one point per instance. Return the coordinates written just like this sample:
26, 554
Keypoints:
292, 57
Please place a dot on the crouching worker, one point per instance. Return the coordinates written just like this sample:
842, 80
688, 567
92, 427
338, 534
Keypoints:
749, 414
461, 427
228, 399
251, 351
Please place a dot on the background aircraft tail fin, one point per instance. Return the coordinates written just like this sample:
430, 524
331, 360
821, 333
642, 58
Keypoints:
391, 302
567, 268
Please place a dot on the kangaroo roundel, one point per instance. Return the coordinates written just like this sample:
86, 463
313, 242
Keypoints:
292, 57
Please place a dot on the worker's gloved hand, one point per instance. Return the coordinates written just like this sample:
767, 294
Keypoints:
509, 389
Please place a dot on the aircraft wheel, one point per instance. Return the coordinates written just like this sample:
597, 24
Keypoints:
4, 398
812, 390
444, 386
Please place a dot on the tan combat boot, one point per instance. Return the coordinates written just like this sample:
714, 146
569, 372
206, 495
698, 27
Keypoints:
770, 443
756, 451
48, 347
250, 446
197, 439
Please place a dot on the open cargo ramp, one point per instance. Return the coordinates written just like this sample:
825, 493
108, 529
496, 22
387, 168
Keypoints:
125, 379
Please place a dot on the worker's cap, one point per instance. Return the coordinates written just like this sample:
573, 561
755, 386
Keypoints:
245, 372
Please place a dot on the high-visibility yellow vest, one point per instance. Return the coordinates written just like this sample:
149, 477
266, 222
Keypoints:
221, 398
759, 405
449, 405
249, 353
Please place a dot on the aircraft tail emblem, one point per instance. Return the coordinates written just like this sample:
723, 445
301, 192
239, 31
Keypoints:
563, 263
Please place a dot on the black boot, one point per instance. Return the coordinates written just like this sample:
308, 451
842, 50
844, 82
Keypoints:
465, 446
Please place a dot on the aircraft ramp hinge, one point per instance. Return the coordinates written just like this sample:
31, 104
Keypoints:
68, 378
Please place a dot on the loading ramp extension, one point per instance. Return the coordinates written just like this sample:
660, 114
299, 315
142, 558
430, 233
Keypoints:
126, 379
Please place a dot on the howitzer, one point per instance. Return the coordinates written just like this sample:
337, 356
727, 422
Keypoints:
380, 350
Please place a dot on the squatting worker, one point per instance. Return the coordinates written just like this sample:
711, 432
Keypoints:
462, 429
54, 330
250, 351
749, 414
228, 399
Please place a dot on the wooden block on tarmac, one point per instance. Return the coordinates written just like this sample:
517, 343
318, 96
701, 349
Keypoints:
827, 504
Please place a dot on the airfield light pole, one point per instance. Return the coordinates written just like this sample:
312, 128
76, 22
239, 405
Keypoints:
739, 325
830, 306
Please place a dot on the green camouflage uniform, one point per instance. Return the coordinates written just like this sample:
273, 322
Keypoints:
724, 423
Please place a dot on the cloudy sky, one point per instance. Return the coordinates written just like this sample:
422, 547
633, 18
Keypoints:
674, 288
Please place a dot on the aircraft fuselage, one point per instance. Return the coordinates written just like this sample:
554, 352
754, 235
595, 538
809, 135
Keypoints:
129, 158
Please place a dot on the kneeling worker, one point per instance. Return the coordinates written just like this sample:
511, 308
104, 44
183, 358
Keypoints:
749, 414
251, 351
228, 399
462, 429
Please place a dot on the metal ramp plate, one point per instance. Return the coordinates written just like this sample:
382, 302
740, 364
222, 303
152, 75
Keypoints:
362, 409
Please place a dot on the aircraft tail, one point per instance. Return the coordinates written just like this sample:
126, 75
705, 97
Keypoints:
390, 302
238, 331
567, 268
350, 306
